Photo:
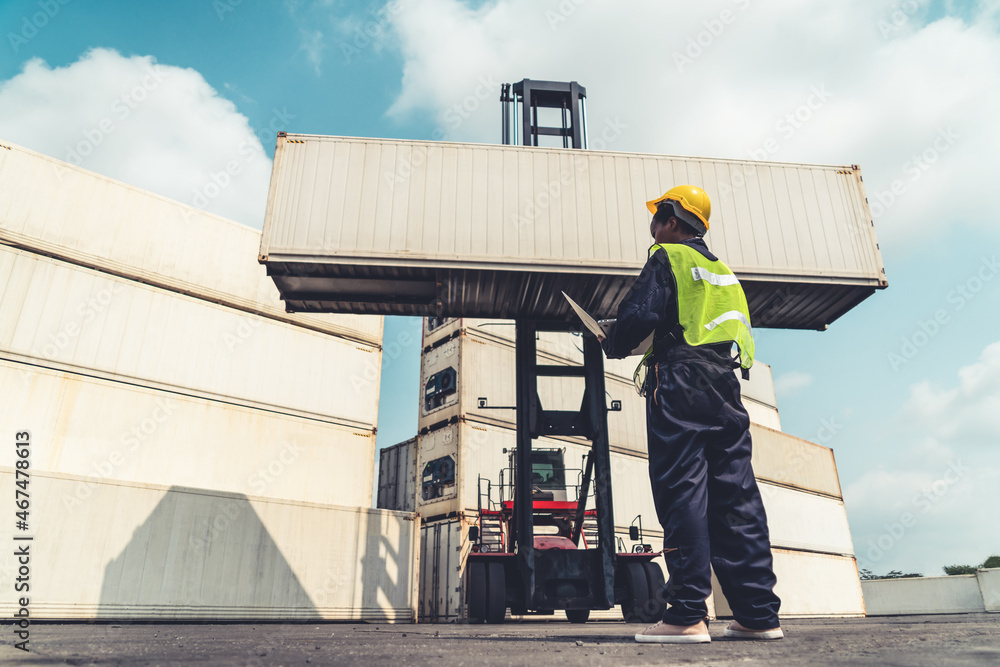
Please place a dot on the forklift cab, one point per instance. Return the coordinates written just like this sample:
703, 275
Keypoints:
548, 474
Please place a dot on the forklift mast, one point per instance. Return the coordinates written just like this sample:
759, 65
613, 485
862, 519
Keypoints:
553, 573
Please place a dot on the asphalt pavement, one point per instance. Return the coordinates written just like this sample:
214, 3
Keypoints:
968, 639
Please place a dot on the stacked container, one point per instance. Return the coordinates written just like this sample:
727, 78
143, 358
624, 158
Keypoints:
154, 365
467, 380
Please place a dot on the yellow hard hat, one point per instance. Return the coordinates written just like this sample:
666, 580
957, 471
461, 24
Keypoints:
693, 200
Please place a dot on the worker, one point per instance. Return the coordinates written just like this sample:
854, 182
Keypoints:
698, 434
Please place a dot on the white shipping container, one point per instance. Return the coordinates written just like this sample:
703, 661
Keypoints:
484, 368
810, 585
789, 461
61, 210
150, 552
351, 221
955, 594
797, 519
803, 521
109, 430
778, 457
759, 389
66, 317
478, 452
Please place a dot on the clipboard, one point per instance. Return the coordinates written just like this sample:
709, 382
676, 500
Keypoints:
587, 320
595, 327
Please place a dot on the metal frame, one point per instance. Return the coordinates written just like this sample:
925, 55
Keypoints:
527, 96
556, 578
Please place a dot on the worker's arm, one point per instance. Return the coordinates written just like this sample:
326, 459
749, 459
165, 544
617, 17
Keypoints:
648, 304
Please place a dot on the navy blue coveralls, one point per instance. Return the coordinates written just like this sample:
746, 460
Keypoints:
698, 436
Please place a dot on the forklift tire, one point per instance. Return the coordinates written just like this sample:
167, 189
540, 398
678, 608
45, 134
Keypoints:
496, 601
577, 615
477, 592
634, 608
656, 604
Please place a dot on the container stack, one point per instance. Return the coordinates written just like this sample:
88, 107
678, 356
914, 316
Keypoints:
467, 431
196, 451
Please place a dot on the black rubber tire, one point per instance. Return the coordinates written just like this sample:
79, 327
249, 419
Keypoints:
578, 615
496, 594
656, 604
638, 593
477, 592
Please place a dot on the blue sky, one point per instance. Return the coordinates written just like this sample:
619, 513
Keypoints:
913, 97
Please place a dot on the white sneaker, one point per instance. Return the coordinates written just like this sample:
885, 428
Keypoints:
661, 633
739, 632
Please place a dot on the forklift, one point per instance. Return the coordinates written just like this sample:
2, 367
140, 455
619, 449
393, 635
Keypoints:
543, 573
560, 510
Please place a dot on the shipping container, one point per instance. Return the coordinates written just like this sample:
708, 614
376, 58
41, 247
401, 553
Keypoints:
804, 521
955, 594
397, 477
474, 376
60, 210
474, 230
444, 552
785, 460
758, 391
66, 317
111, 430
473, 456
171, 553
810, 585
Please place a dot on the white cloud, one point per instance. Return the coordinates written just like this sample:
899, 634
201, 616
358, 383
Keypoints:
311, 43
969, 412
792, 382
933, 501
720, 78
157, 127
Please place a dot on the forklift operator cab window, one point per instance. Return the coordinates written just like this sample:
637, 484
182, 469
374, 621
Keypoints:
547, 473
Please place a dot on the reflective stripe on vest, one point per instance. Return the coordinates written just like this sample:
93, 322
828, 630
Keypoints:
699, 273
711, 305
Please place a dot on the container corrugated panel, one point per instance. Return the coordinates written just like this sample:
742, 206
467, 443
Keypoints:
444, 552
810, 585
804, 521
110, 430
63, 316
397, 477
430, 228
150, 552
60, 210
956, 594
789, 461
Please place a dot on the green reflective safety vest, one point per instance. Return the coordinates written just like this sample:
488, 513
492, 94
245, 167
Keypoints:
711, 305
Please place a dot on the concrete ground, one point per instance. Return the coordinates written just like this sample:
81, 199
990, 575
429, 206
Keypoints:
971, 639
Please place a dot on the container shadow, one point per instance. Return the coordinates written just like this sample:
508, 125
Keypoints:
202, 555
